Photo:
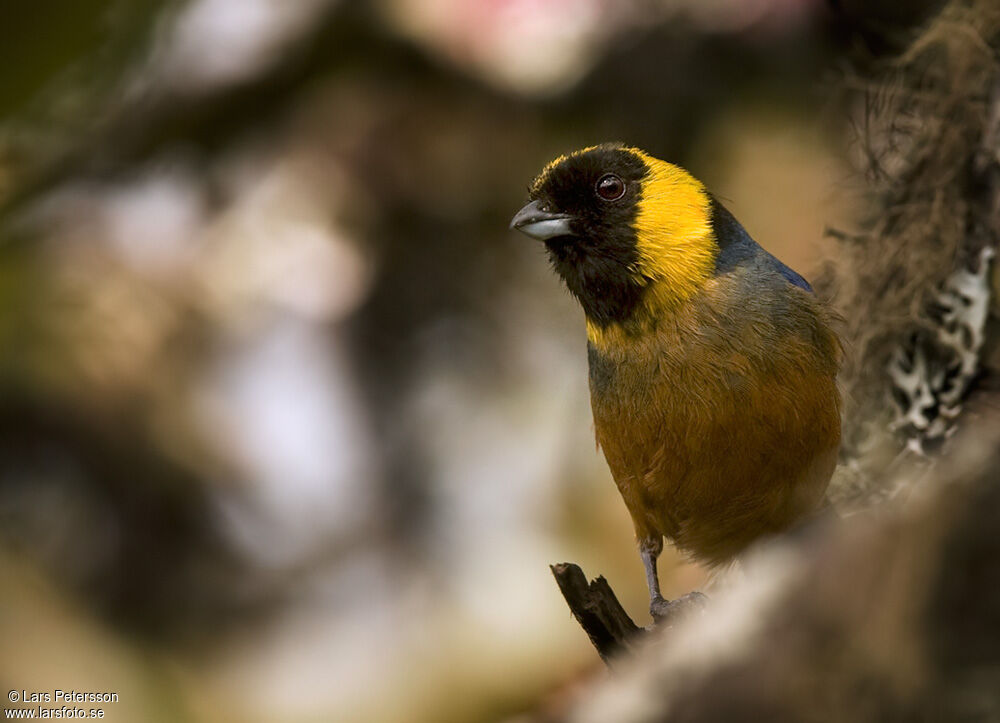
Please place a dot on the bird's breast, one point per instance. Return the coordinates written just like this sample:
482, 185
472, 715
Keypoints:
723, 415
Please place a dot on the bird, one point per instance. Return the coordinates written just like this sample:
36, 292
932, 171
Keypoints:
712, 365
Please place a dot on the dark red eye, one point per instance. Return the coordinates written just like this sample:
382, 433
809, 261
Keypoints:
610, 187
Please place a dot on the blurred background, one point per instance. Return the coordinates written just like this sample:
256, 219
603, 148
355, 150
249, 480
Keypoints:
291, 425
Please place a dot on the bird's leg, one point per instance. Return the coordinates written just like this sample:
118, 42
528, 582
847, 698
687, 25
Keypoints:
650, 549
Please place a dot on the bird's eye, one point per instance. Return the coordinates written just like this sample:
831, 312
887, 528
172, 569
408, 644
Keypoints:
610, 187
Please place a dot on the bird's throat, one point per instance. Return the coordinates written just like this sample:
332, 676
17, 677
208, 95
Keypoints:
659, 303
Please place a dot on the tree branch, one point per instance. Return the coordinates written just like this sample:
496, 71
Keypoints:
596, 608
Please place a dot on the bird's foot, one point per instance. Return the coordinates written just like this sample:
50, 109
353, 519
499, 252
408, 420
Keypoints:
668, 612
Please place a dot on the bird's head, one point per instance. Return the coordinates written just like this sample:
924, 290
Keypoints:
630, 235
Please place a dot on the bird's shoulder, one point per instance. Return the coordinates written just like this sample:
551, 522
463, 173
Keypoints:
737, 249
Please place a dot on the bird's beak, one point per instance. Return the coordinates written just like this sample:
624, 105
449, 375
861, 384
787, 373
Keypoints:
534, 221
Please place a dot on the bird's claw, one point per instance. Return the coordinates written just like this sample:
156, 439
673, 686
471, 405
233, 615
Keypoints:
670, 611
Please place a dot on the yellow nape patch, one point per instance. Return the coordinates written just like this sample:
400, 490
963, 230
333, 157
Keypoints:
673, 234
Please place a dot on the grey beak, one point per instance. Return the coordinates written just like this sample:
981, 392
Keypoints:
535, 221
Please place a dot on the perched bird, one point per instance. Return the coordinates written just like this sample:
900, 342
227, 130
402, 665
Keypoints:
712, 364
